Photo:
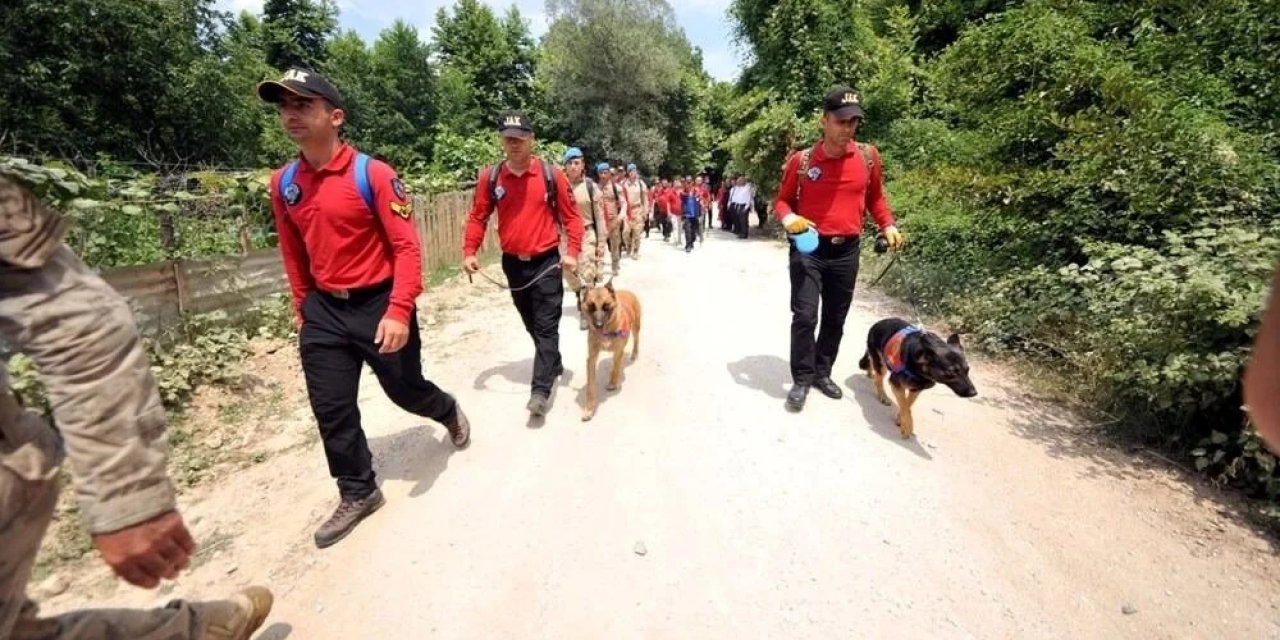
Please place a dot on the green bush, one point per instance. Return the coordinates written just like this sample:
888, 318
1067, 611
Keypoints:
204, 349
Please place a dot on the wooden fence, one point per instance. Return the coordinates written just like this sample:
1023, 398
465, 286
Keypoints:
162, 293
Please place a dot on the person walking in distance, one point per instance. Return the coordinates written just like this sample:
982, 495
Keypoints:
740, 199
655, 215
704, 196
354, 264
676, 199
663, 210
81, 336
614, 201
531, 197
637, 195
828, 187
691, 210
586, 195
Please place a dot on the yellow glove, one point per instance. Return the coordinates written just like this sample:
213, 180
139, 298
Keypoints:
795, 223
894, 237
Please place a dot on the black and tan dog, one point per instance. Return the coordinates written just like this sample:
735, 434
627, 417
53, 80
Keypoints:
914, 360
613, 317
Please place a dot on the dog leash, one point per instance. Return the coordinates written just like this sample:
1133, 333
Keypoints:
893, 259
515, 289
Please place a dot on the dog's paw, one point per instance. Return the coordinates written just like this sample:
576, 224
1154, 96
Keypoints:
586, 417
884, 400
613, 386
906, 436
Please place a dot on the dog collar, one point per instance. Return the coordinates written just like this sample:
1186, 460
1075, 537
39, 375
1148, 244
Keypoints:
893, 351
623, 330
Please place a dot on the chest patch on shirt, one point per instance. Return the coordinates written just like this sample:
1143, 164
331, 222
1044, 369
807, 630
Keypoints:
814, 173
292, 194
499, 192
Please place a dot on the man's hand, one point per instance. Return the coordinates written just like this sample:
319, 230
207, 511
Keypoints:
796, 223
894, 237
147, 552
568, 264
471, 264
391, 336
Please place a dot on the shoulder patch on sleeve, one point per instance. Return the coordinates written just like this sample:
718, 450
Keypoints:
397, 187
402, 209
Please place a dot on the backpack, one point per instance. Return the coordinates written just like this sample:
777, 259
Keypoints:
362, 180
864, 150
548, 180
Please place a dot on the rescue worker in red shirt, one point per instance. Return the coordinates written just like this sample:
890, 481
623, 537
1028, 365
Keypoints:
828, 187
704, 196
354, 264
528, 214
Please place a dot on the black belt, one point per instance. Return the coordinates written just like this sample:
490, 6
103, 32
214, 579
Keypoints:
836, 240
525, 257
358, 292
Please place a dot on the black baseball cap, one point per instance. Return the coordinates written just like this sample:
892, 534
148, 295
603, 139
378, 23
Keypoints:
514, 124
844, 103
300, 82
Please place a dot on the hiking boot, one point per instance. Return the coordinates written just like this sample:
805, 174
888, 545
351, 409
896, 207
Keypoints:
240, 616
829, 388
797, 396
538, 405
345, 518
459, 428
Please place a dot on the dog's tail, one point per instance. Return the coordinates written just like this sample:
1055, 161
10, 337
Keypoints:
865, 362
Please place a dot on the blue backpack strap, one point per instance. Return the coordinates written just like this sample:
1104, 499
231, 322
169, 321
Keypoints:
493, 185
286, 179
362, 180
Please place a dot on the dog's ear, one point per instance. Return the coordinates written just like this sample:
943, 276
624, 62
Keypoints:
954, 340
609, 285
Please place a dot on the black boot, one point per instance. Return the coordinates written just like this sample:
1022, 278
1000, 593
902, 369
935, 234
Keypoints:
797, 396
829, 388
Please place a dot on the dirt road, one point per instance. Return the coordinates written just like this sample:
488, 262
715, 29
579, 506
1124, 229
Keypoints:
694, 506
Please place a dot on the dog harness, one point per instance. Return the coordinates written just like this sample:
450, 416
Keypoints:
893, 351
624, 327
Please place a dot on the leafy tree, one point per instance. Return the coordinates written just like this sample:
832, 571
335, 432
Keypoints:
612, 65
297, 31
401, 65
486, 64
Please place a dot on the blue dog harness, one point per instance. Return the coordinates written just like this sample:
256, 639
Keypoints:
893, 352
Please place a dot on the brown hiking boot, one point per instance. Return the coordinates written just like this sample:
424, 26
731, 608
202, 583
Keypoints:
238, 617
459, 428
345, 518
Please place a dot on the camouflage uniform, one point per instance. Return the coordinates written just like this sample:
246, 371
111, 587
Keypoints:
593, 224
81, 335
638, 209
613, 203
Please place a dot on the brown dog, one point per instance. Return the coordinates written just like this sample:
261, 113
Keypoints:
613, 317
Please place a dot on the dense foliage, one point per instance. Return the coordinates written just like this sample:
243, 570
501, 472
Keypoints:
1093, 185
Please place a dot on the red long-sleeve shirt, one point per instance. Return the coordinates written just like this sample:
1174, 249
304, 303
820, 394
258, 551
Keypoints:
836, 191
329, 239
526, 226
673, 200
